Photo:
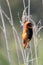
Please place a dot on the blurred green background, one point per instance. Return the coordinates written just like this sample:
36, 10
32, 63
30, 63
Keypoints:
17, 6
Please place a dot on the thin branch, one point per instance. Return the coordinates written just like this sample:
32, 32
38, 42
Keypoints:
13, 28
33, 59
28, 9
10, 12
5, 34
5, 15
24, 3
24, 11
11, 22
39, 29
19, 42
33, 22
31, 52
17, 50
39, 23
35, 42
27, 59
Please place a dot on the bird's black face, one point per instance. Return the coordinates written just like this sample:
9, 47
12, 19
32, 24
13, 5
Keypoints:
30, 25
30, 30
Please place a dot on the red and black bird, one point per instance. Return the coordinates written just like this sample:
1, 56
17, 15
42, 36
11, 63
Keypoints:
27, 33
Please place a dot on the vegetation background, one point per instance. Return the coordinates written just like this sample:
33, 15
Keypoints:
17, 6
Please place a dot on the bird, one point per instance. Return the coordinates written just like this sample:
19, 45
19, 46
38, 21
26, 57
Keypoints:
27, 33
